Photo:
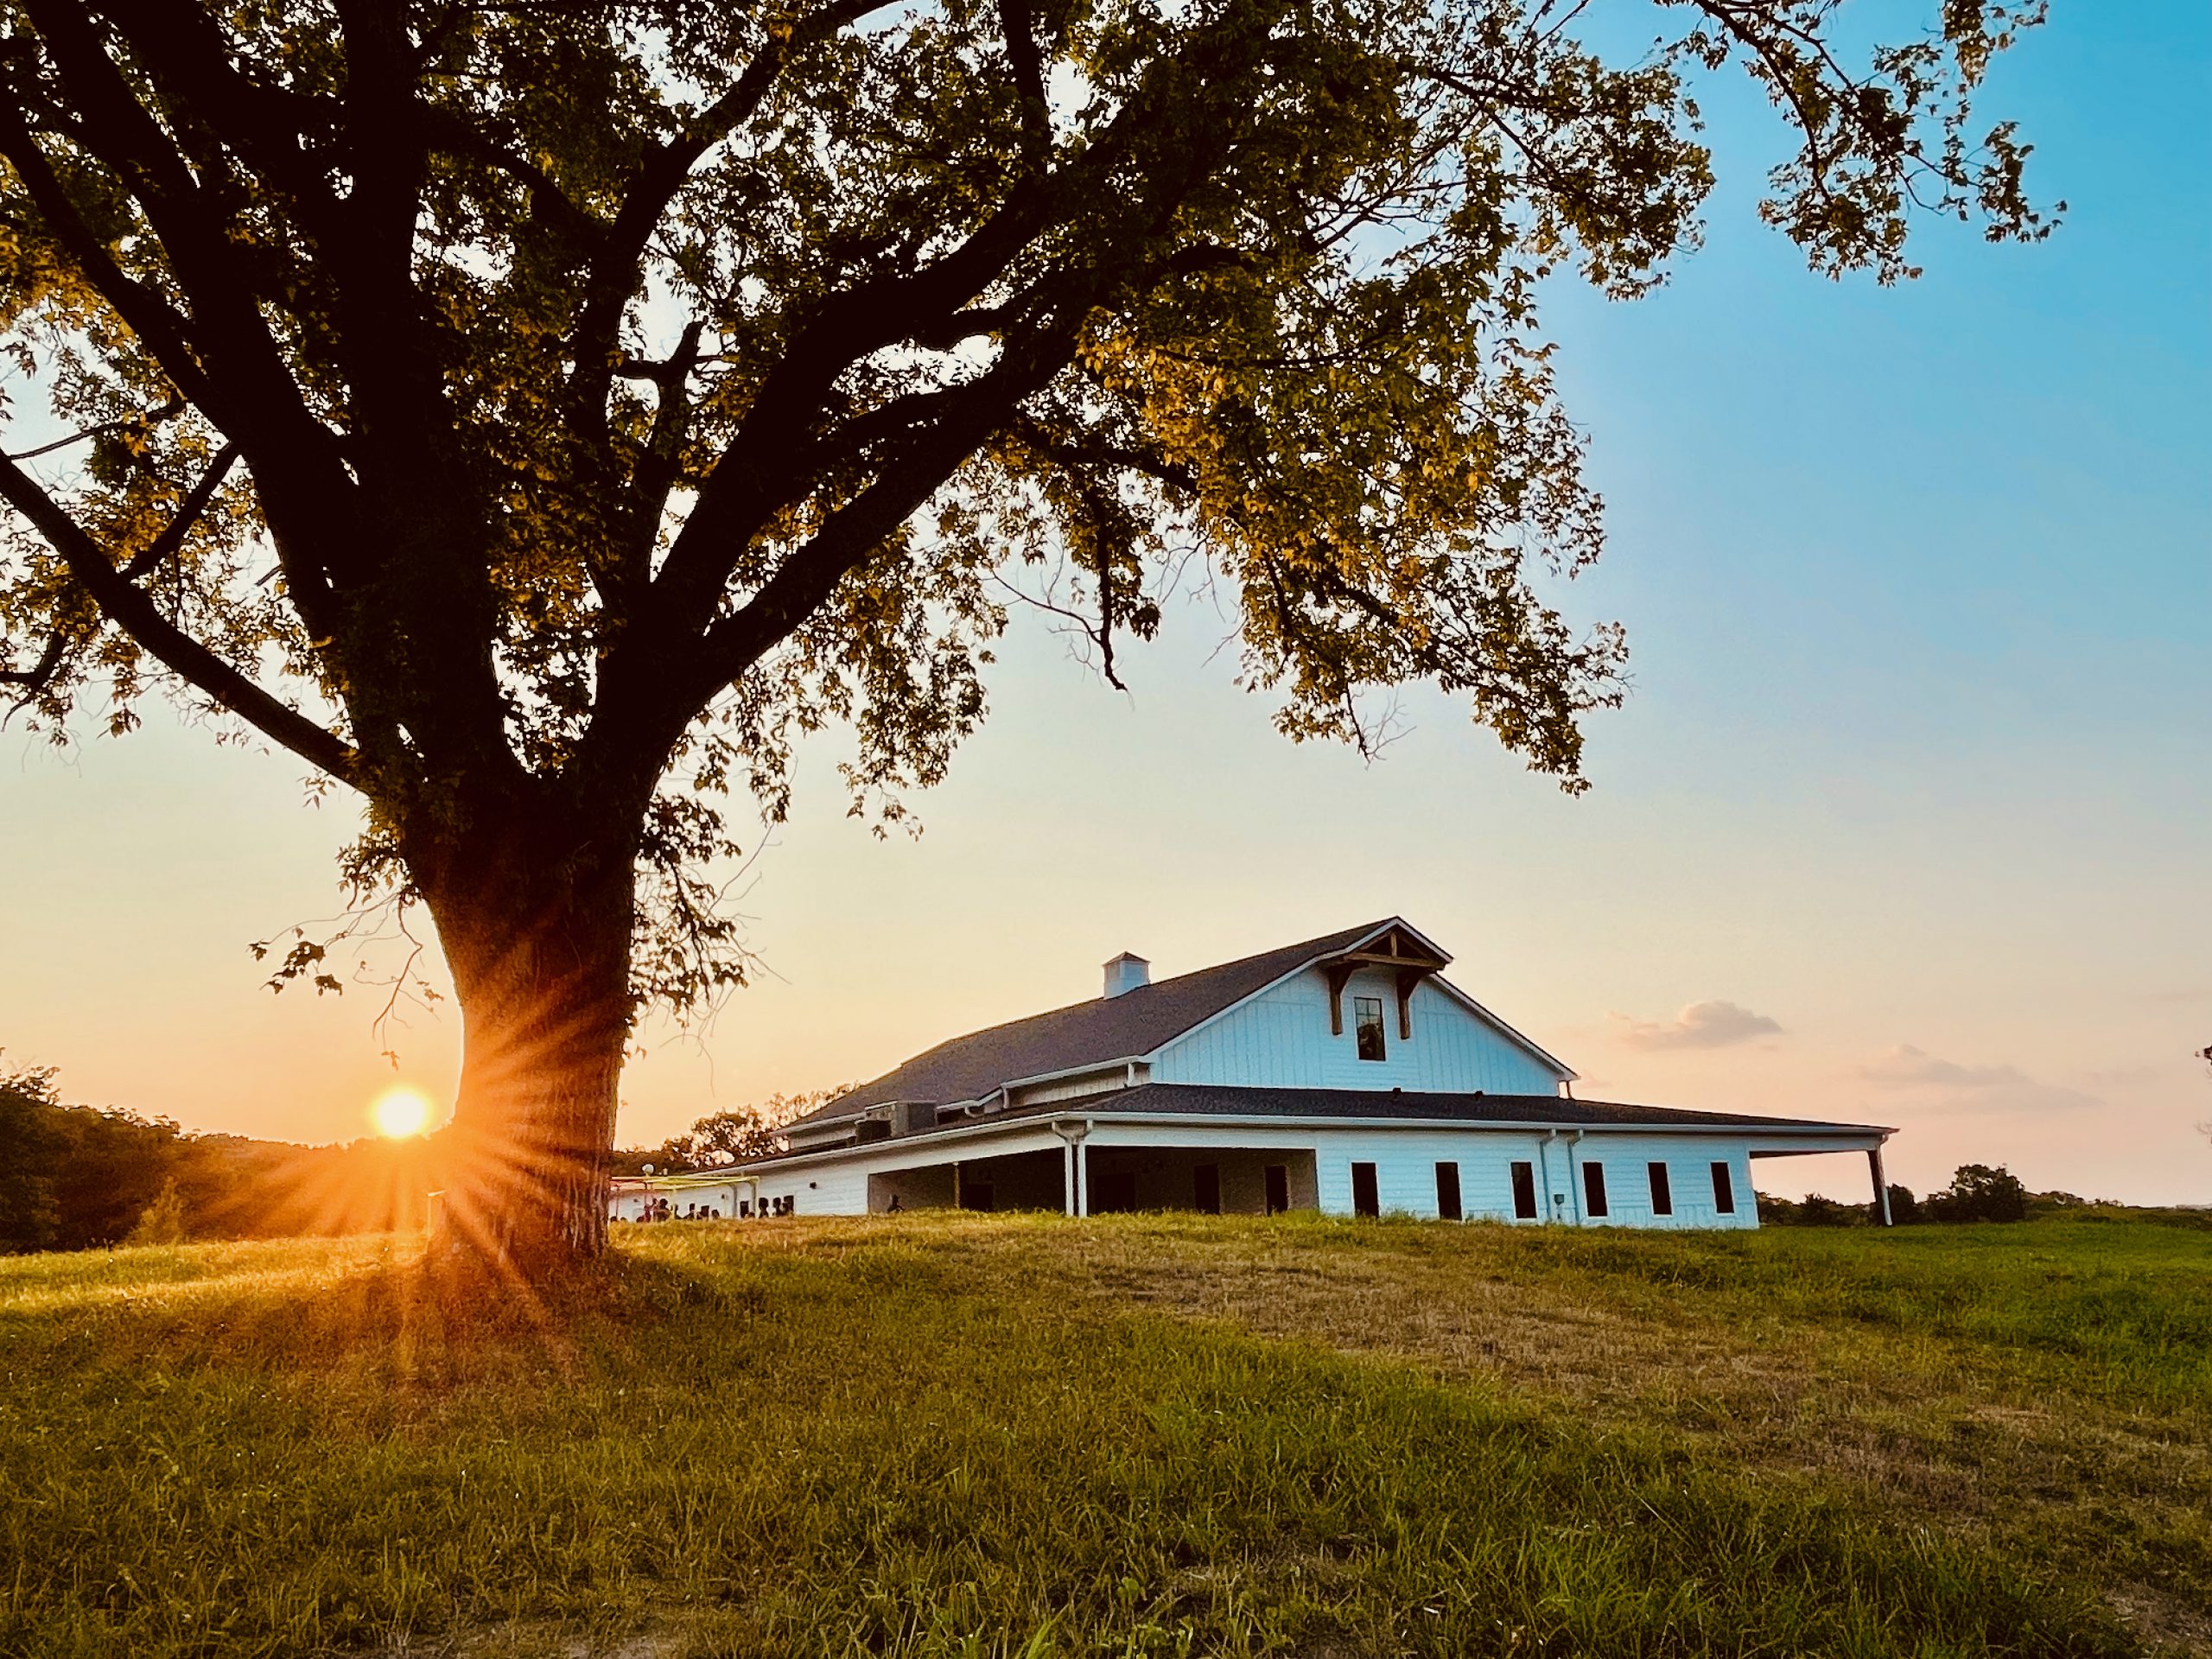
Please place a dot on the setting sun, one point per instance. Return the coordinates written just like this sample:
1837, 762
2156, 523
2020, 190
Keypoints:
400, 1112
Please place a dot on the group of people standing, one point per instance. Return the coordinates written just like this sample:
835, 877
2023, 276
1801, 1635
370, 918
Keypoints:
663, 1209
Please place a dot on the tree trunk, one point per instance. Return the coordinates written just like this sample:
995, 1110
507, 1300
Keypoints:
536, 927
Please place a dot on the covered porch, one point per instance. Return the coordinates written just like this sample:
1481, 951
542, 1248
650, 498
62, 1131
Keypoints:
1869, 1144
1083, 1179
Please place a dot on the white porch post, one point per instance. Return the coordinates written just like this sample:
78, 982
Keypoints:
1075, 1169
1881, 1186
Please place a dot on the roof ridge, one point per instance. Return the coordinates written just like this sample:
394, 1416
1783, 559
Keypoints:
1131, 1009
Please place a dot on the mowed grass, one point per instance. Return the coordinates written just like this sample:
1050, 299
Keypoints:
1135, 1436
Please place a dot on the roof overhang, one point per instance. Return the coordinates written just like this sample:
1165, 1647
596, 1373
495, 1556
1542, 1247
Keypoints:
1853, 1137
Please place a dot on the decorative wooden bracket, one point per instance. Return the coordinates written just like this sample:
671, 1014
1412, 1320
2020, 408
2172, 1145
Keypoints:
1407, 978
1407, 960
1340, 975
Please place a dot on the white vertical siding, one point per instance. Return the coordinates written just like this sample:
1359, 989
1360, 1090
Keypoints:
1282, 1040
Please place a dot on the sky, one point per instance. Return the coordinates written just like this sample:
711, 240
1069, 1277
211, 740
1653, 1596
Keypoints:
1904, 821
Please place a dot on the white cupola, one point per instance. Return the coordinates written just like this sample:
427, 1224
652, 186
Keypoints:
1127, 972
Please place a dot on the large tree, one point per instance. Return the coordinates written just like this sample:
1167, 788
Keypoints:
535, 415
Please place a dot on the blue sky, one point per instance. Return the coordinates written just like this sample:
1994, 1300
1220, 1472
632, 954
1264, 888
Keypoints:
1915, 769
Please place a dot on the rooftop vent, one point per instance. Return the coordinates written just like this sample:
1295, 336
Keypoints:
1127, 972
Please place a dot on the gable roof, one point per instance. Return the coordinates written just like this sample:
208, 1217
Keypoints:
1096, 1033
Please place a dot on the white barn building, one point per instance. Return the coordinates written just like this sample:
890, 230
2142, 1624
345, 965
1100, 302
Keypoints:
1344, 1074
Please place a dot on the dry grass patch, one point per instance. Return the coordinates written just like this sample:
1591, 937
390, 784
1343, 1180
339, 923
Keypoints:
2047, 1388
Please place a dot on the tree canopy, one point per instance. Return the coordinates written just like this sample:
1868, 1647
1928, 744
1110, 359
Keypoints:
537, 416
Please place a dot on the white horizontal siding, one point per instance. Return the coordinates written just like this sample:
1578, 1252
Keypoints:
1282, 1040
1405, 1160
1405, 1174
837, 1185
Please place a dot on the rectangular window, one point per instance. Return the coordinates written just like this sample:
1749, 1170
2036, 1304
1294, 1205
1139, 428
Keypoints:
1205, 1181
1278, 1188
1447, 1192
1593, 1191
1364, 1202
1663, 1195
1724, 1190
1367, 1021
1524, 1192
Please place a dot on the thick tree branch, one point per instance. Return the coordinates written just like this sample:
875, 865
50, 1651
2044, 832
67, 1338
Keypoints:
1018, 26
130, 609
35, 678
854, 531
223, 358
612, 276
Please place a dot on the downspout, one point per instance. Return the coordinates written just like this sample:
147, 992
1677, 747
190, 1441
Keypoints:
1544, 1170
1574, 1178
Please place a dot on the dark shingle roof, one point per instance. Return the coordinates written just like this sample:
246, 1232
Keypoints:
1087, 1033
1211, 1100
1351, 1105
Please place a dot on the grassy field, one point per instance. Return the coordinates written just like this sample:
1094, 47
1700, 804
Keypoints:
1130, 1436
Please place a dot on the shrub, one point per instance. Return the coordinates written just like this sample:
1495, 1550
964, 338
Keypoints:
1814, 1212
1904, 1209
1979, 1193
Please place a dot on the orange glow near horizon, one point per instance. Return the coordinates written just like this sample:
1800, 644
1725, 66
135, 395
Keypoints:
402, 1112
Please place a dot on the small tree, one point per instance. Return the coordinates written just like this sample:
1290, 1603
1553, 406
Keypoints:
535, 416
730, 1137
163, 1221
1980, 1193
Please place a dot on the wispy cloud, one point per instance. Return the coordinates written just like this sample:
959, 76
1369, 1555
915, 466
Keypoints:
1701, 1025
1949, 1086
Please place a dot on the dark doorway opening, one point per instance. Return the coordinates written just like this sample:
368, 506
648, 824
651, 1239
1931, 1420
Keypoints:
1524, 1192
1364, 1202
1113, 1191
1447, 1192
1206, 1188
976, 1195
1593, 1191
1278, 1188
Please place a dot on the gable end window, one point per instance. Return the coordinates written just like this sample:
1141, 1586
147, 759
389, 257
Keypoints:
1367, 1019
1593, 1191
1662, 1193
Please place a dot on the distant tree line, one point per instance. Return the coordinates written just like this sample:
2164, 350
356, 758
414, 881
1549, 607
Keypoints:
1977, 1193
724, 1138
76, 1176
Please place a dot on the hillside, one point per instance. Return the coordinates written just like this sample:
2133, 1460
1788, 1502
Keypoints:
1137, 1436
